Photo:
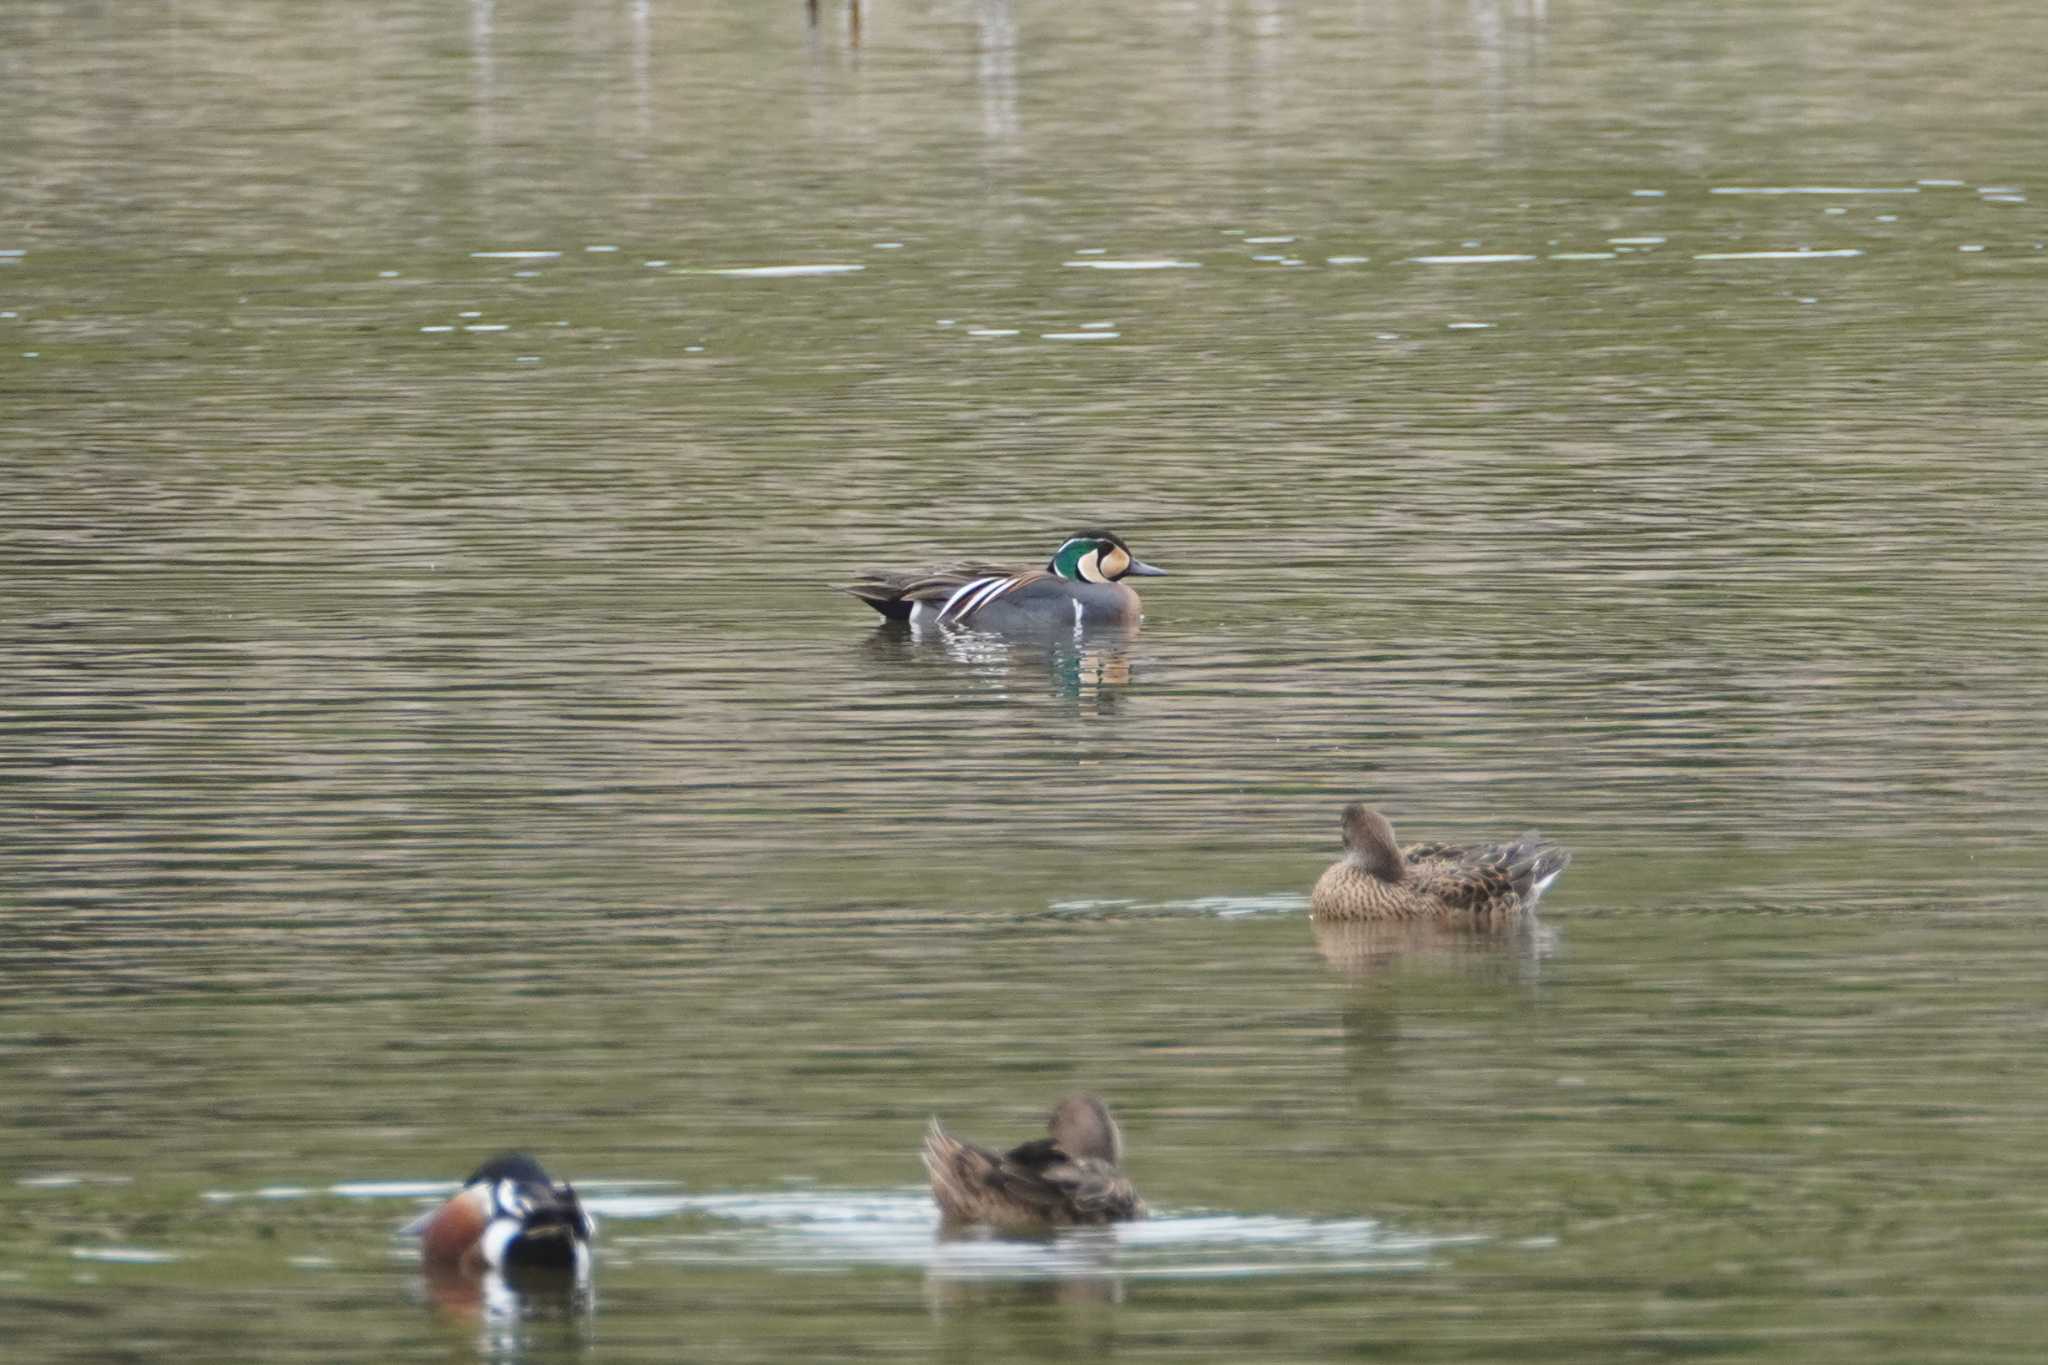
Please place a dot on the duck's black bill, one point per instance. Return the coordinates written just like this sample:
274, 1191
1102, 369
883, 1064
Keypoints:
1140, 569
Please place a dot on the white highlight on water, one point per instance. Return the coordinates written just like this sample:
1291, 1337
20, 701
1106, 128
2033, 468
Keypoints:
1222, 907
779, 272
124, 1255
1816, 189
1802, 254
514, 255
1148, 263
1467, 260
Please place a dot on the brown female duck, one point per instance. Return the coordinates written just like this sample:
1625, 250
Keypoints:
1068, 1179
1378, 880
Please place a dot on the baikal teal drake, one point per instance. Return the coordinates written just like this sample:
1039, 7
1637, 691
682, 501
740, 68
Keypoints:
1070, 1178
1080, 588
1376, 879
508, 1215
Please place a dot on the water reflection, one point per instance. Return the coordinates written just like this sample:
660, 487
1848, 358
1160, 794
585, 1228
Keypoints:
511, 1294
996, 68
851, 9
516, 1312
1093, 668
1509, 953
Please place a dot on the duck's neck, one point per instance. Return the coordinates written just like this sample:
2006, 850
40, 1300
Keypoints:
1380, 862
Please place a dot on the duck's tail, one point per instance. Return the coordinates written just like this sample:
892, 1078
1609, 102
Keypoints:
1533, 863
959, 1173
884, 592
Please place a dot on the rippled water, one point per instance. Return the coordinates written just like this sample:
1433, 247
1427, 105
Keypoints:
432, 435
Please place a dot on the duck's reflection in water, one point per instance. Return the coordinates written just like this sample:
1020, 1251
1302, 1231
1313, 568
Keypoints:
1409, 972
1510, 953
516, 1312
1092, 668
1053, 1292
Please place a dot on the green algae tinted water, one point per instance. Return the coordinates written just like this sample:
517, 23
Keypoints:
431, 434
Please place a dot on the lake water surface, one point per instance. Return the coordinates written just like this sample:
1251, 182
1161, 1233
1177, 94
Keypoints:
429, 437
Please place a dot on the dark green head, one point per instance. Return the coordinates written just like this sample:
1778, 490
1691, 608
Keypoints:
1098, 557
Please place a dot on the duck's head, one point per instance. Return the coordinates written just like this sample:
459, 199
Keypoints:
533, 1219
1369, 838
1081, 1125
1098, 557
517, 1167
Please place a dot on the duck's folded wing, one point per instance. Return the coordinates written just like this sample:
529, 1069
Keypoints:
1520, 867
1018, 590
893, 593
1461, 878
1071, 1189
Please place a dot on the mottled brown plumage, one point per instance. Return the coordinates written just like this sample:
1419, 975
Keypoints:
1377, 879
1068, 1179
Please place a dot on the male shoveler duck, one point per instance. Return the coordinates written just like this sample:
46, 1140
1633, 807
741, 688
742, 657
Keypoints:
508, 1214
1378, 880
1081, 586
1068, 1179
